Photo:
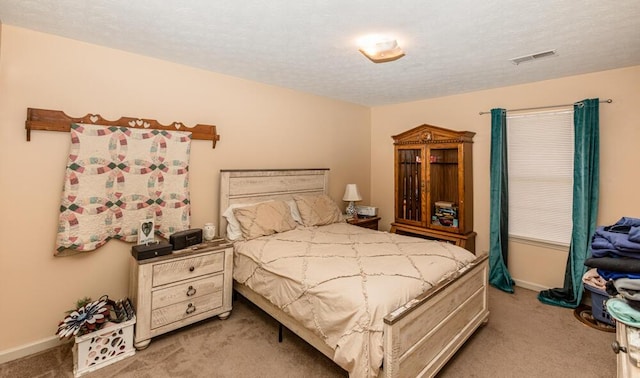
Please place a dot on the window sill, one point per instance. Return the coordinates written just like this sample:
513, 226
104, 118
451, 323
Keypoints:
539, 243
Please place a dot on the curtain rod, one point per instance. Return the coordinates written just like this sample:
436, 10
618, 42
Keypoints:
608, 101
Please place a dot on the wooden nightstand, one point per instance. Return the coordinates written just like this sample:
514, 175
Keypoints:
366, 222
169, 292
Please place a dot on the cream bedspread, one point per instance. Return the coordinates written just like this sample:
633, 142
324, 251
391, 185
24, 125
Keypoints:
341, 280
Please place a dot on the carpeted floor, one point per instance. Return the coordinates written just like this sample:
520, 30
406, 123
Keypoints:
523, 338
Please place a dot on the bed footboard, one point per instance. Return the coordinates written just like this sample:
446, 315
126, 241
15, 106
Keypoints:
422, 335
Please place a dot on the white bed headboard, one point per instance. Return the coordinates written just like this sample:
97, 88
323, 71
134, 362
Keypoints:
249, 186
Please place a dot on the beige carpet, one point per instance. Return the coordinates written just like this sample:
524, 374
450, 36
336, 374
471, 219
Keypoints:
523, 338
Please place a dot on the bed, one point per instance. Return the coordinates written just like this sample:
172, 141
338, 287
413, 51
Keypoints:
412, 332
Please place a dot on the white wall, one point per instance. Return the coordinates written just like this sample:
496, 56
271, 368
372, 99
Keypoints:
532, 266
261, 126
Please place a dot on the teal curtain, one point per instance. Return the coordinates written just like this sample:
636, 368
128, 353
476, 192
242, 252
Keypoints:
586, 173
499, 196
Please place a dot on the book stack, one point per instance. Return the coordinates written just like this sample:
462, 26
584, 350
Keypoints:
445, 214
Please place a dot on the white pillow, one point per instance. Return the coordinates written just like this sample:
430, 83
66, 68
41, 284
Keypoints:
295, 213
234, 232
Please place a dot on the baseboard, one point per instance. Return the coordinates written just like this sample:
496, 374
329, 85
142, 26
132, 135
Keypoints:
529, 285
29, 349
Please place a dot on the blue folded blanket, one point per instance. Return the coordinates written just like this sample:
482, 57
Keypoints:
628, 221
634, 234
612, 275
619, 239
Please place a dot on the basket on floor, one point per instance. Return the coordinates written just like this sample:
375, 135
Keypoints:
103, 347
598, 305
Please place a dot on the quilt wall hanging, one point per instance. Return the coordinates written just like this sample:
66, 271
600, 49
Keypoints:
116, 177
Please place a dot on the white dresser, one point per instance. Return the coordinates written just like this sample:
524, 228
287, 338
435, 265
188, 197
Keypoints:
187, 286
627, 347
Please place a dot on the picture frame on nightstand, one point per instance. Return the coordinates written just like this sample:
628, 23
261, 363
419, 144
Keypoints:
146, 231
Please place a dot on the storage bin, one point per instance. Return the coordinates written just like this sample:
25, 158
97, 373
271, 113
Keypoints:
97, 349
598, 307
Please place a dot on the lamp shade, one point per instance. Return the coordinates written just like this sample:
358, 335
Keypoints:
351, 193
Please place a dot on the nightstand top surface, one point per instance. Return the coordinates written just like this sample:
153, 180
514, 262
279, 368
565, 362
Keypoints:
205, 246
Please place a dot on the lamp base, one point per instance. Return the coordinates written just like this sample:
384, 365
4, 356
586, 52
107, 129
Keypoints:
351, 210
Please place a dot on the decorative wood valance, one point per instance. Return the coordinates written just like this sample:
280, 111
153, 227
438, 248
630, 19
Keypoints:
57, 120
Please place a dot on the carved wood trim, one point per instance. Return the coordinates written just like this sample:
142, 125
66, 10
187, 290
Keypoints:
57, 120
428, 134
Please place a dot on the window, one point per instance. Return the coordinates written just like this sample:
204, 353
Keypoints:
540, 167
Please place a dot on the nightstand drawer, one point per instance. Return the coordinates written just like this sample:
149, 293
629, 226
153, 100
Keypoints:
185, 309
186, 291
368, 222
177, 270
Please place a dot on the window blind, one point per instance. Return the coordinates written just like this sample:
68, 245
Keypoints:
540, 167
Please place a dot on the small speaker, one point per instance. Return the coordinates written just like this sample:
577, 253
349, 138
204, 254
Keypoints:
186, 238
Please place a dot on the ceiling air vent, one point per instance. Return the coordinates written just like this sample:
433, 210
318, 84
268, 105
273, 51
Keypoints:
532, 57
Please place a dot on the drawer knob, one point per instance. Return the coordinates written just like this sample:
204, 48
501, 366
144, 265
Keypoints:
617, 348
191, 291
191, 308
192, 268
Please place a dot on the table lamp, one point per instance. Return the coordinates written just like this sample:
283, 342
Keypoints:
351, 194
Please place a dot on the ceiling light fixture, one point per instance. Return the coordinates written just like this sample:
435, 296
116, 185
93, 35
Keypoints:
380, 49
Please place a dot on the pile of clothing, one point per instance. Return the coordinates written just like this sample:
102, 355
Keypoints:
615, 267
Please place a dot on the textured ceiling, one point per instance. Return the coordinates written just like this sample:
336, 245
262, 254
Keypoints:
451, 47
